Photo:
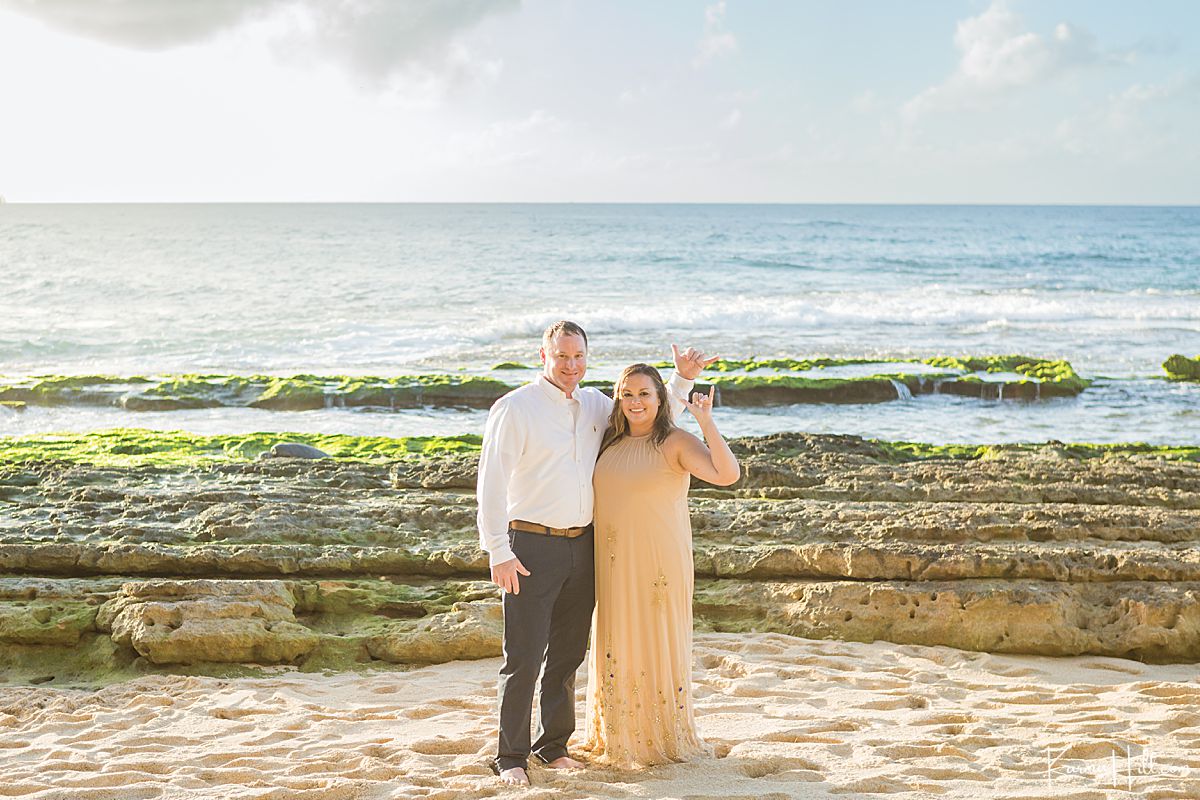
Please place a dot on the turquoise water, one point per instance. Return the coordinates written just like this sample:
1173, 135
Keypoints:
386, 289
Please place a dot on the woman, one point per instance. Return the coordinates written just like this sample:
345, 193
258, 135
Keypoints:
639, 694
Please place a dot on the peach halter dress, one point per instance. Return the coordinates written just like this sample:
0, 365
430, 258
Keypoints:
639, 696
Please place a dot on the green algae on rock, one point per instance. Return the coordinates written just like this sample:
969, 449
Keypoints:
778, 389
905, 451
784, 364
296, 393
130, 446
310, 391
1181, 368
69, 389
128, 627
1054, 378
1039, 378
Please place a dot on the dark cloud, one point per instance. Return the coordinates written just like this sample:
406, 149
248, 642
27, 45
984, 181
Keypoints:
375, 36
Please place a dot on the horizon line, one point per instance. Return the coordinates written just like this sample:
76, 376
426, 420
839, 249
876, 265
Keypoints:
981, 204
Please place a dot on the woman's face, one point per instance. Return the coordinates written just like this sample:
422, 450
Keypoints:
639, 401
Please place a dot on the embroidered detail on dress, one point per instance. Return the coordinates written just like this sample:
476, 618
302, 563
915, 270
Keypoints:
660, 590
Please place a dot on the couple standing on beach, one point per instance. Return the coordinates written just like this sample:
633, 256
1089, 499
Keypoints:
539, 484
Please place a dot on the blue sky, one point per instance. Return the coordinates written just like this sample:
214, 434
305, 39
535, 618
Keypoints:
499, 100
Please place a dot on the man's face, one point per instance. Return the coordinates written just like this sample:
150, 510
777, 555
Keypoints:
565, 361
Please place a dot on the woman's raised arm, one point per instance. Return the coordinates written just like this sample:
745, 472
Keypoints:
715, 463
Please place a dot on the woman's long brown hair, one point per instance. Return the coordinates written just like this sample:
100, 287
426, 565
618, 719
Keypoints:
618, 425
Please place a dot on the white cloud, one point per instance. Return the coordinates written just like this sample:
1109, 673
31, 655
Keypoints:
864, 103
998, 55
505, 142
716, 41
640, 92
374, 37
1129, 124
732, 119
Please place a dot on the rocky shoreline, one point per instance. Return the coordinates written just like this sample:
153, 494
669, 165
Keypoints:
158, 563
738, 383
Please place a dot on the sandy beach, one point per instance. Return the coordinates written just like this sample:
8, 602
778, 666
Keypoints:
787, 717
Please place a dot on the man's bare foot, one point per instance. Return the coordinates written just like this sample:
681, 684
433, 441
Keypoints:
514, 777
565, 762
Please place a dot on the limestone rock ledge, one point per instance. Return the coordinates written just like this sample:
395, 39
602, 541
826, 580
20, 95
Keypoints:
101, 629
192, 626
180, 622
466, 631
1147, 621
1052, 549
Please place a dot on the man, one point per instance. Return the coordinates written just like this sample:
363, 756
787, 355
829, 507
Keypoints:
535, 514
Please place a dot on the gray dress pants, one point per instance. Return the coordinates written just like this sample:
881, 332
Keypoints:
548, 623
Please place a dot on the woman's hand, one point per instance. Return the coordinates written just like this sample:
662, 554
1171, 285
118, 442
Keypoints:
714, 463
701, 407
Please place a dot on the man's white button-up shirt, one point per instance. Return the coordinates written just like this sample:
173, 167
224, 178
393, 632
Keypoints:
539, 452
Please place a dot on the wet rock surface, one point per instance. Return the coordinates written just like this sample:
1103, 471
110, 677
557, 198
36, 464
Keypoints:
327, 563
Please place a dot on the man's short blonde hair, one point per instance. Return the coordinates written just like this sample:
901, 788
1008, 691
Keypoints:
561, 328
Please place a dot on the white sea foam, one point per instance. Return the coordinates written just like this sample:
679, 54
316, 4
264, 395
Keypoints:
394, 289
896, 307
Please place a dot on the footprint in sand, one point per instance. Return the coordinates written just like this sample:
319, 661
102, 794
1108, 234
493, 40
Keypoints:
1172, 694
68, 761
238, 713
446, 706
1016, 672
274, 738
907, 751
870, 684
726, 666
876, 785
149, 767
761, 648
1113, 666
1085, 750
984, 742
445, 746
1177, 720
943, 719
801, 736
720, 747
834, 726
913, 701
762, 768
947, 774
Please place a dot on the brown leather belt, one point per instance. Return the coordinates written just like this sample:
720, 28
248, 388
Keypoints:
533, 527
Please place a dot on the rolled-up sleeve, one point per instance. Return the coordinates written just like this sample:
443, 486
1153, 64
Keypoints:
503, 441
677, 391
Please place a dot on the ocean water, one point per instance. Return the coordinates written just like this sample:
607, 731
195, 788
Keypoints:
395, 289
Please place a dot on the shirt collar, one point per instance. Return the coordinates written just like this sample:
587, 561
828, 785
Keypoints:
553, 392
